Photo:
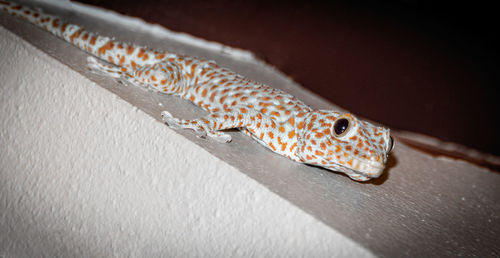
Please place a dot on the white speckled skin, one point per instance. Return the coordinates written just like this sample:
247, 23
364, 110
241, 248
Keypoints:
272, 117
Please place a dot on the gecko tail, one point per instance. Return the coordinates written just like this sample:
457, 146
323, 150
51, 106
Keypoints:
106, 48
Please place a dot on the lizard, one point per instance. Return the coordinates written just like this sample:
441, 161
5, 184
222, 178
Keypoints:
331, 139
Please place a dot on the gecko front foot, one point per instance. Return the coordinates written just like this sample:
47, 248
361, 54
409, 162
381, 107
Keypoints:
201, 128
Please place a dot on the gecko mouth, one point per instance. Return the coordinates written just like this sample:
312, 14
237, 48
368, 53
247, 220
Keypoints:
365, 169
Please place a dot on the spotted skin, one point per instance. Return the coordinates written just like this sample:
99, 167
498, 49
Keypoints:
275, 119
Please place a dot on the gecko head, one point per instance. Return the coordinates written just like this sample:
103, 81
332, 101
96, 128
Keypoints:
341, 142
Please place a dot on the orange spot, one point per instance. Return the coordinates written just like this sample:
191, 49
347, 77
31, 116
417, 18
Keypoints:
212, 96
76, 34
93, 40
338, 149
282, 129
301, 125
153, 78
55, 23
272, 146
271, 135
348, 147
191, 98
222, 99
322, 146
160, 56
291, 134
349, 162
122, 60
130, 50
275, 113
204, 93
243, 110
141, 52
283, 146
106, 47
293, 146
319, 153
63, 29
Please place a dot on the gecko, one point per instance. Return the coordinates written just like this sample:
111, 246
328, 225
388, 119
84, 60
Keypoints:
331, 139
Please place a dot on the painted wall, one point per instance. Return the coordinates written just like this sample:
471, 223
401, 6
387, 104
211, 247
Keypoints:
84, 173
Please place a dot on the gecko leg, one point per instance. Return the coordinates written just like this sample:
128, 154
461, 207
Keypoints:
124, 75
211, 125
200, 126
101, 68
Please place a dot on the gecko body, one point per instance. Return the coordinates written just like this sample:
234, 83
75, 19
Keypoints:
330, 139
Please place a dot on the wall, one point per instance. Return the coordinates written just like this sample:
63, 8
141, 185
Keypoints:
84, 173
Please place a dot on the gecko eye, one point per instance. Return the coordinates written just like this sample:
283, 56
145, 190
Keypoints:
391, 144
341, 126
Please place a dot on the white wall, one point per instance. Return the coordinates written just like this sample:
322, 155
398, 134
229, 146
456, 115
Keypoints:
84, 173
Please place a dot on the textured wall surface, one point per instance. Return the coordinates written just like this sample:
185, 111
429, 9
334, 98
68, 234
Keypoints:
84, 173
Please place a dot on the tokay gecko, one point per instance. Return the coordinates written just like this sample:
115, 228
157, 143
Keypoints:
330, 139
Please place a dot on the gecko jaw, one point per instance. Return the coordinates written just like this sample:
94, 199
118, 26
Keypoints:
364, 172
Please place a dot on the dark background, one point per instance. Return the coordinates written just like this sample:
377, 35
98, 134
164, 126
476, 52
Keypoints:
423, 66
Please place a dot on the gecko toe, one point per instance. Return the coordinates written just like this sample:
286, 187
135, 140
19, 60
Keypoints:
221, 137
